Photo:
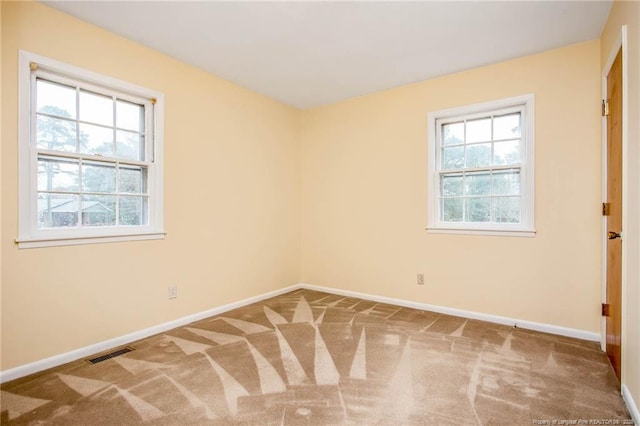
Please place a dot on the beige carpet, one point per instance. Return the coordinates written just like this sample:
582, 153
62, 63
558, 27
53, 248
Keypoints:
314, 358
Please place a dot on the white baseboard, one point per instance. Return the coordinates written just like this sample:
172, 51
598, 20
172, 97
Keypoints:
530, 325
631, 404
54, 361
86, 351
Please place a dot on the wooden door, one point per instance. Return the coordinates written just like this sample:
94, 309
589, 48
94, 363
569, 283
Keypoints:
614, 219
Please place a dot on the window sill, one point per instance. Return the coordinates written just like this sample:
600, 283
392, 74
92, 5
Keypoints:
490, 232
27, 243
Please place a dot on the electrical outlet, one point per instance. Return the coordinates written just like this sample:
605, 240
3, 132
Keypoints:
420, 279
173, 291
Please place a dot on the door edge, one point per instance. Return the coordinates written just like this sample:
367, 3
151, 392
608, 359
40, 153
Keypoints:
619, 45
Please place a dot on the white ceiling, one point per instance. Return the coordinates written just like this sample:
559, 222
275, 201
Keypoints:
307, 54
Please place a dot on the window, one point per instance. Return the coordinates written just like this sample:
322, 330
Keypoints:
90, 157
481, 169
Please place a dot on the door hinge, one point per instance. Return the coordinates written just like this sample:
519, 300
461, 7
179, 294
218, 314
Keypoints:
606, 209
605, 309
605, 108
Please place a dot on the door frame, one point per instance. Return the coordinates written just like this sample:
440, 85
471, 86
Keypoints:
620, 44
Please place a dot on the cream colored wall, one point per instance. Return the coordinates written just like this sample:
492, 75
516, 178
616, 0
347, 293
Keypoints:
628, 13
364, 196
231, 198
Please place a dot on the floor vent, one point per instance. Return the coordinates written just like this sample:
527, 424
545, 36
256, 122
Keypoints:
110, 355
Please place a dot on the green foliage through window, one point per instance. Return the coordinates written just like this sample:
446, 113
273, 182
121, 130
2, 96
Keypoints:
93, 184
480, 169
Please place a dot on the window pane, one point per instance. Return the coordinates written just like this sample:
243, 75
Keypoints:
506, 153
132, 180
58, 175
96, 109
129, 145
477, 183
506, 127
55, 134
478, 155
129, 116
506, 182
56, 99
96, 140
506, 209
453, 158
479, 130
57, 210
133, 211
478, 209
98, 210
453, 134
97, 177
451, 185
452, 209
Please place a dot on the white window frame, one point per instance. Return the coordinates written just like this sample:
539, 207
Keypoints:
527, 190
29, 236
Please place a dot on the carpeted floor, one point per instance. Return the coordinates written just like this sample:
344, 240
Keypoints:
314, 358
